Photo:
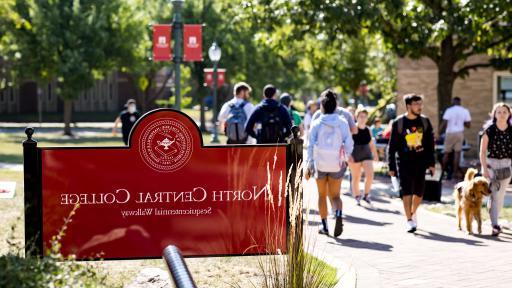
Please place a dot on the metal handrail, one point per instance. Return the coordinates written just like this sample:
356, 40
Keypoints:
178, 268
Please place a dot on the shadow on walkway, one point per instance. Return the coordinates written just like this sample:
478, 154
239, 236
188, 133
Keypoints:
380, 210
507, 238
353, 243
443, 238
357, 220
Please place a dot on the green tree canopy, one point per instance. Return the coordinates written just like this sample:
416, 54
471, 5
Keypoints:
447, 32
73, 42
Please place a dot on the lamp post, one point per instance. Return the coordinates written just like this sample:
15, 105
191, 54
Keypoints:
214, 53
177, 27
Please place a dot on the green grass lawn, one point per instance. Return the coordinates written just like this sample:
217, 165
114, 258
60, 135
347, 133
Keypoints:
449, 209
11, 149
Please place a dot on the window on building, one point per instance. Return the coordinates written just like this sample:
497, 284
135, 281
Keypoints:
2, 95
505, 89
12, 95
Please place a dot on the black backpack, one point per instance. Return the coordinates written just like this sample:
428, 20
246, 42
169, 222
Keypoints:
271, 126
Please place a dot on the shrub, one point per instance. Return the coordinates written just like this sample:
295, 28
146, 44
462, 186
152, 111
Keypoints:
54, 270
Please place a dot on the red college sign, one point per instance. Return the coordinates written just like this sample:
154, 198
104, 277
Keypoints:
165, 188
161, 42
193, 43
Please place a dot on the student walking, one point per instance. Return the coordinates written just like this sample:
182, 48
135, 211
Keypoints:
330, 139
270, 122
412, 139
235, 113
455, 119
127, 118
495, 157
311, 108
363, 155
345, 113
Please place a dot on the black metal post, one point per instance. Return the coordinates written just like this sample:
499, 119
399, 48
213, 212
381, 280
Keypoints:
177, 31
178, 268
32, 196
215, 135
294, 151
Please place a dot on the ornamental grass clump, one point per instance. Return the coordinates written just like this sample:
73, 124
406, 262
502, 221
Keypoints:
295, 268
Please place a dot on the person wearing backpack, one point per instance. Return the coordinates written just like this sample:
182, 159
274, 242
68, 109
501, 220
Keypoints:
330, 140
412, 138
235, 113
270, 122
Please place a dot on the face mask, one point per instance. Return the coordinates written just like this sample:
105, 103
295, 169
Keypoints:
131, 108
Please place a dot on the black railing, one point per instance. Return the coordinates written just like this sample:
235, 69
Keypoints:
178, 268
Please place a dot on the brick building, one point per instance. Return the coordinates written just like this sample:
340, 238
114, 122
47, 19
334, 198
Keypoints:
108, 95
479, 92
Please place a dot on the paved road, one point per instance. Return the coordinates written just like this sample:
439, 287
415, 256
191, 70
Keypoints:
381, 253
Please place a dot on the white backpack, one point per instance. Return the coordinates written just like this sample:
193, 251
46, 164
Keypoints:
328, 150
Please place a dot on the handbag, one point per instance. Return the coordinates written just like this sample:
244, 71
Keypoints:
502, 173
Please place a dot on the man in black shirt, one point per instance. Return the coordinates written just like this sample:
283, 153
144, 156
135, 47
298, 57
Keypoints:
270, 122
412, 138
127, 118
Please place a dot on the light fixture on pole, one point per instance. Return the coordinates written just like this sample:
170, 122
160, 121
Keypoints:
214, 54
177, 27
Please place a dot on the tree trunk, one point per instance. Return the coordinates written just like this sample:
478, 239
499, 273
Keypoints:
444, 89
68, 109
446, 76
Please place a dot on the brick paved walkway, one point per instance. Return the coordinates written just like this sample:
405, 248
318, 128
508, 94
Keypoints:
380, 253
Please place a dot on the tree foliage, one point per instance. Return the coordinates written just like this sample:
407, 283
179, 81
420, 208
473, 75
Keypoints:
73, 42
448, 32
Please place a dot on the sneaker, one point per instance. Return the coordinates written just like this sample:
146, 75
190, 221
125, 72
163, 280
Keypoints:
358, 200
415, 220
411, 228
338, 228
496, 230
323, 231
366, 198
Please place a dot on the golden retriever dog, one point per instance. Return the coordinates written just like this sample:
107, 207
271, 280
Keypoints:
468, 198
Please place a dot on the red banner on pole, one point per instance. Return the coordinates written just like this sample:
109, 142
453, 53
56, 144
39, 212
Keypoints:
193, 43
208, 77
162, 42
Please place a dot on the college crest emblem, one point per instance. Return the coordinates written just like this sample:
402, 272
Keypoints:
165, 145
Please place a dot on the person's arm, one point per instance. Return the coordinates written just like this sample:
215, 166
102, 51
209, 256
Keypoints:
351, 123
116, 123
467, 121
429, 146
483, 155
348, 142
223, 114
373, 148
394, 141
442, 127
249, 128
312, 138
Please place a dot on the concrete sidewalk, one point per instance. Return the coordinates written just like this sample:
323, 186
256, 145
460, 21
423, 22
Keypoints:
376, 251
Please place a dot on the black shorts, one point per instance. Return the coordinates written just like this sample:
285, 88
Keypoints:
412, 179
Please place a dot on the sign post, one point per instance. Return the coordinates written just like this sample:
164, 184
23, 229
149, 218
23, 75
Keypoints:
165, 188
